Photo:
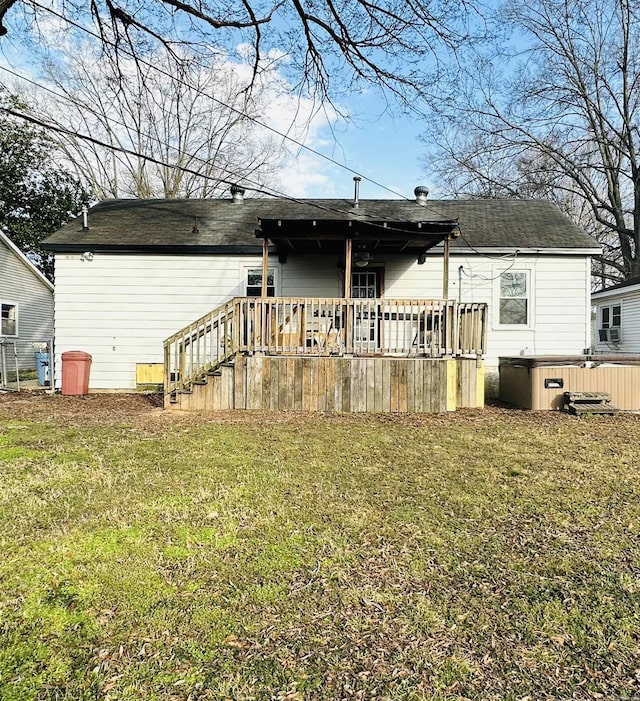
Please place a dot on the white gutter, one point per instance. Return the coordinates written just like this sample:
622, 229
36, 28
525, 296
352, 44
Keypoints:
608, 294
510, 250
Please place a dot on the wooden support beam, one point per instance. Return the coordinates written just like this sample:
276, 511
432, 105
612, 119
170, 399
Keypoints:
265, 266
347, 267
445, 271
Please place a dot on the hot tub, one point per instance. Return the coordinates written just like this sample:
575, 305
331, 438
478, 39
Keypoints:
539, 382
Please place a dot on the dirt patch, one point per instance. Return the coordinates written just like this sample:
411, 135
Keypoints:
146, 412
98, 408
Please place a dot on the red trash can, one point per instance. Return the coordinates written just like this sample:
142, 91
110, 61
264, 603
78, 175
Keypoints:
75, 372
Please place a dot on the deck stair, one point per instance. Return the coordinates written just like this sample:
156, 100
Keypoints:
213, 350
578, 403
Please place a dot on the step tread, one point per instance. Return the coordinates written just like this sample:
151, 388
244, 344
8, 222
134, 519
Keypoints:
592, 408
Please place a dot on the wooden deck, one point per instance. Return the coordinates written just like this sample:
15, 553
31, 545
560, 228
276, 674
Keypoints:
329, 355
379, 385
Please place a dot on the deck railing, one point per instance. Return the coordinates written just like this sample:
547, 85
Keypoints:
323, 326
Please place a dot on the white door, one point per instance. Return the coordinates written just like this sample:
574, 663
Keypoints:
365, 286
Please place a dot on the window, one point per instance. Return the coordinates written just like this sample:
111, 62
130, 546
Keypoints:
514, 298
365, 285
8, 319
254, 283
610, 317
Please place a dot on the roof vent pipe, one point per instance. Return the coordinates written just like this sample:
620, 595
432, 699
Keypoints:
237, 194
85, 217
421, 193
356, 194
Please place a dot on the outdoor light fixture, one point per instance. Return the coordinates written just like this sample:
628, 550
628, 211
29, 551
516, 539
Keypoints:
361, 259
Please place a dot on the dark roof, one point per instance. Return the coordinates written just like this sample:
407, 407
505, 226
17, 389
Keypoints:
222, 225
515, 223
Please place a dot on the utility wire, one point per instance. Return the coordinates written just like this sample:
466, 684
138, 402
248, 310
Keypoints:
238, 176
259, 188
121, 149
255, 185
214, 99
131, 152
199, 91
473, 275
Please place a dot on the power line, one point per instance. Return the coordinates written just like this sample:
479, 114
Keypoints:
131, 152
273, 192
257, 186
264, 125
238, 176
199, 91
121, 149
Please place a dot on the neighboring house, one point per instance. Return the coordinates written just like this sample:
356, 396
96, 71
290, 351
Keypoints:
26, 304
616, 319
468, 279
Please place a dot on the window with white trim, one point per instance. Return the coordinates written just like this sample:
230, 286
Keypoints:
610, 316
8, 319
514, 304
254, 282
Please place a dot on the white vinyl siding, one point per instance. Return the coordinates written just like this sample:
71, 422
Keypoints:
628, 299
33, 300
311, 276
559, 293
119, 308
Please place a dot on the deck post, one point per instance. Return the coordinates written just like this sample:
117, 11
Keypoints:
347, 267
348, 331
445, 271
265, 266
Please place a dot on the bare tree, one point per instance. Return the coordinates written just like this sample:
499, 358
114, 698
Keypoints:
189, 144
361, 40
557, 118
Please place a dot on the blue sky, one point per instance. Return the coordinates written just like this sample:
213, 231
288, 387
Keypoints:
377, 144
384, 148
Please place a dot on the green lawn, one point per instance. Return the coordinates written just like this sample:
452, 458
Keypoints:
487, 554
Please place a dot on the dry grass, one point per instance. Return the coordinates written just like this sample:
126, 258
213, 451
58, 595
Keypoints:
482, 555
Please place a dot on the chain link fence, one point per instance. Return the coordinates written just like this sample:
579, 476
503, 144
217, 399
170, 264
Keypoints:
26, 365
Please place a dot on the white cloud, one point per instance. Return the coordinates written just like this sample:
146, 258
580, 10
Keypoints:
302, 121
306, 122
306, 175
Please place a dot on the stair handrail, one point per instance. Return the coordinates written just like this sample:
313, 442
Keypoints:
433, 328
200, 347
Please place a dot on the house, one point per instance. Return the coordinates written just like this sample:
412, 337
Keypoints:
616, 315
26, 304
323, 304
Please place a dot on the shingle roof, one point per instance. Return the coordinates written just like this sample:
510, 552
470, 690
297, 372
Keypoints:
217, 224
515, 223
